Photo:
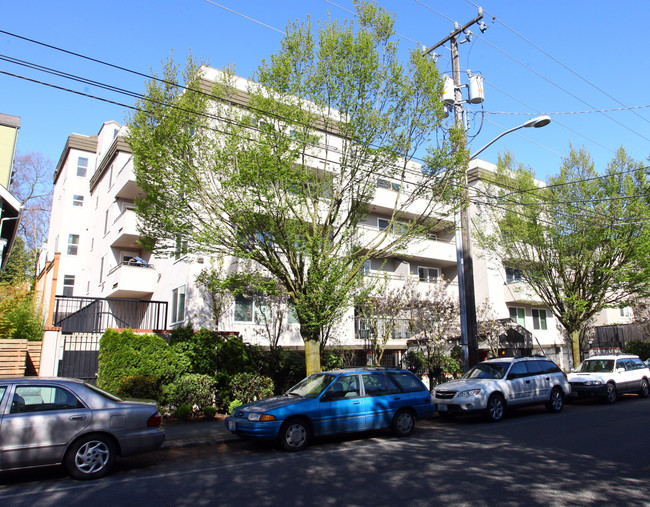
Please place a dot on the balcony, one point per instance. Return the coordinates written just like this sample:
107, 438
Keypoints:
124, 231
131, 280
125, 185
520, 292
442, 252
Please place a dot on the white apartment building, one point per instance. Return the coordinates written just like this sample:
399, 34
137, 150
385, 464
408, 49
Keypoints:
93, 258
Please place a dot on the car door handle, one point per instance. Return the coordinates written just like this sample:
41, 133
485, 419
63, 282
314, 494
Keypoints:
397, 398
527, 381
356, 402
77, 417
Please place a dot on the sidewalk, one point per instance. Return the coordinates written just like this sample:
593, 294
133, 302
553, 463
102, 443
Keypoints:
193, 433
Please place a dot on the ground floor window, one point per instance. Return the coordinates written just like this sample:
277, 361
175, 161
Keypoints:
178, 304
539, 319
518, 315
68, 285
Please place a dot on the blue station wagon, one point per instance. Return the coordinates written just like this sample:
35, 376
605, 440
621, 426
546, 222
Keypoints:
335, 402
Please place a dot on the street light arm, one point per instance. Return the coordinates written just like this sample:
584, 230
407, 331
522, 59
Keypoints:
540, 121
477, 152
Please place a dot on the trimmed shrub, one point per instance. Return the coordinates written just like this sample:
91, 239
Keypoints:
639, 348
209, 412
249, 387
138, 386
193, 389
184, 411
126, 354
233, 405
199, 347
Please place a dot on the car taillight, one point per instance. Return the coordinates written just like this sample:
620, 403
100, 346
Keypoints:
155, 420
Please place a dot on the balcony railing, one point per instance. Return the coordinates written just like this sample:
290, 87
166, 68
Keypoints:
96, 315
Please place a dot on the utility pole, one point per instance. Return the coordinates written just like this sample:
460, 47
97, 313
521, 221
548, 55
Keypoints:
467, 297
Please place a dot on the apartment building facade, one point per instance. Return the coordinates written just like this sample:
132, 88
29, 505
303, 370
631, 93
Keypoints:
93, 254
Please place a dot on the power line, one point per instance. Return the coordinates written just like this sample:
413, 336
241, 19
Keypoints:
494, 18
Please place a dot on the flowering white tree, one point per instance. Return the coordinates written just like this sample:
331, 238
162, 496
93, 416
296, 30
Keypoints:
435, 319
490, 328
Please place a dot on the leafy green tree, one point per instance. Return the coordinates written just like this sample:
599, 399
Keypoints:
582, 242
19, 269
284, 171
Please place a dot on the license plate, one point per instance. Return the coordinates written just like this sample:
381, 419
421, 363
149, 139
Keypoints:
442, 408
232, 425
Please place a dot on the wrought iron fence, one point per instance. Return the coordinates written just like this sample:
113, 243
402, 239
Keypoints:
95, 315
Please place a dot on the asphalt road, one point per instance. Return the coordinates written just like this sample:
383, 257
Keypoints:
590, 454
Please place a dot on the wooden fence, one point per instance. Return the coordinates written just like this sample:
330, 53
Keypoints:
19, 358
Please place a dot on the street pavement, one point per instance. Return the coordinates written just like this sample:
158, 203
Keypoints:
193, 433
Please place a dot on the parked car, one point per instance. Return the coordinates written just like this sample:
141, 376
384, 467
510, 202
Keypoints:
495, 385
70, 422
608, 376
334, 402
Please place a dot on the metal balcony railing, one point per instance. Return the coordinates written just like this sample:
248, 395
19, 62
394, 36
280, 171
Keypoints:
93, 315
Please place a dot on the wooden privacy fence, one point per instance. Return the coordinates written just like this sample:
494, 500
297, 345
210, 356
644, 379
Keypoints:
19, 358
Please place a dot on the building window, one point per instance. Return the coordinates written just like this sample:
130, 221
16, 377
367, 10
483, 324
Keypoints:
110, 177
101, 269
78, 200
513, 275
389, 185
518, 315
178, 304
82, 166
73, 244
366, 267
396, 227
539, 319
181, 248
244, 309
68, 285
428, 274
106, 221
626, 311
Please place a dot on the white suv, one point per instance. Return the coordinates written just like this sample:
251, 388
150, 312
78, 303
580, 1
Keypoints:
608, 376
497, 384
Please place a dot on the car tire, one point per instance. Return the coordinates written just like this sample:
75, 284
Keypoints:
496, 408
294, 435
610, 393
645, 389
403, 423
90, 457
555, 402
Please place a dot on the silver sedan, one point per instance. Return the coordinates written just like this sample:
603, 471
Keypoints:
70, 422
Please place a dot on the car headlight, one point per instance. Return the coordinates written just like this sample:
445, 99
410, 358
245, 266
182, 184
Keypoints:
593, 383
253, 416
468, 394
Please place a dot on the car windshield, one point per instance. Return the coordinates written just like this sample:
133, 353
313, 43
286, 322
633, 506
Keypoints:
596, 365
487, 370
312, 386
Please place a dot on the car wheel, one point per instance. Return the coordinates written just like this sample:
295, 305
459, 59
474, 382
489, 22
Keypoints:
610, 394
555, 402
403, 423
643, 393
294, 435
496, 408
90, 457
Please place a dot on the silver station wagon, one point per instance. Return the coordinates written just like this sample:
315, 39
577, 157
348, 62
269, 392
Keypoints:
69, 422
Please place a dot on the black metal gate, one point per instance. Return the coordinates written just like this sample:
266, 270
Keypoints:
80, 356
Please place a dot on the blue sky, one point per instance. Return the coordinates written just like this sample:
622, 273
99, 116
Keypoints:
565, 59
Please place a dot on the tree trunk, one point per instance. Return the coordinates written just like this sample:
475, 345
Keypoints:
312, 356
575, 345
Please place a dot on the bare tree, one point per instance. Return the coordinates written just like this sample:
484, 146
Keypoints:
491, 328
32, 185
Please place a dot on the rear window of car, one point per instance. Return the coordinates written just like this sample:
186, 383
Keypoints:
101, 392
407, 382
550, 367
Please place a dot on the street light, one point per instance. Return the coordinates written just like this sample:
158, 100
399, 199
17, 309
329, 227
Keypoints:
468, 322
540, 121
